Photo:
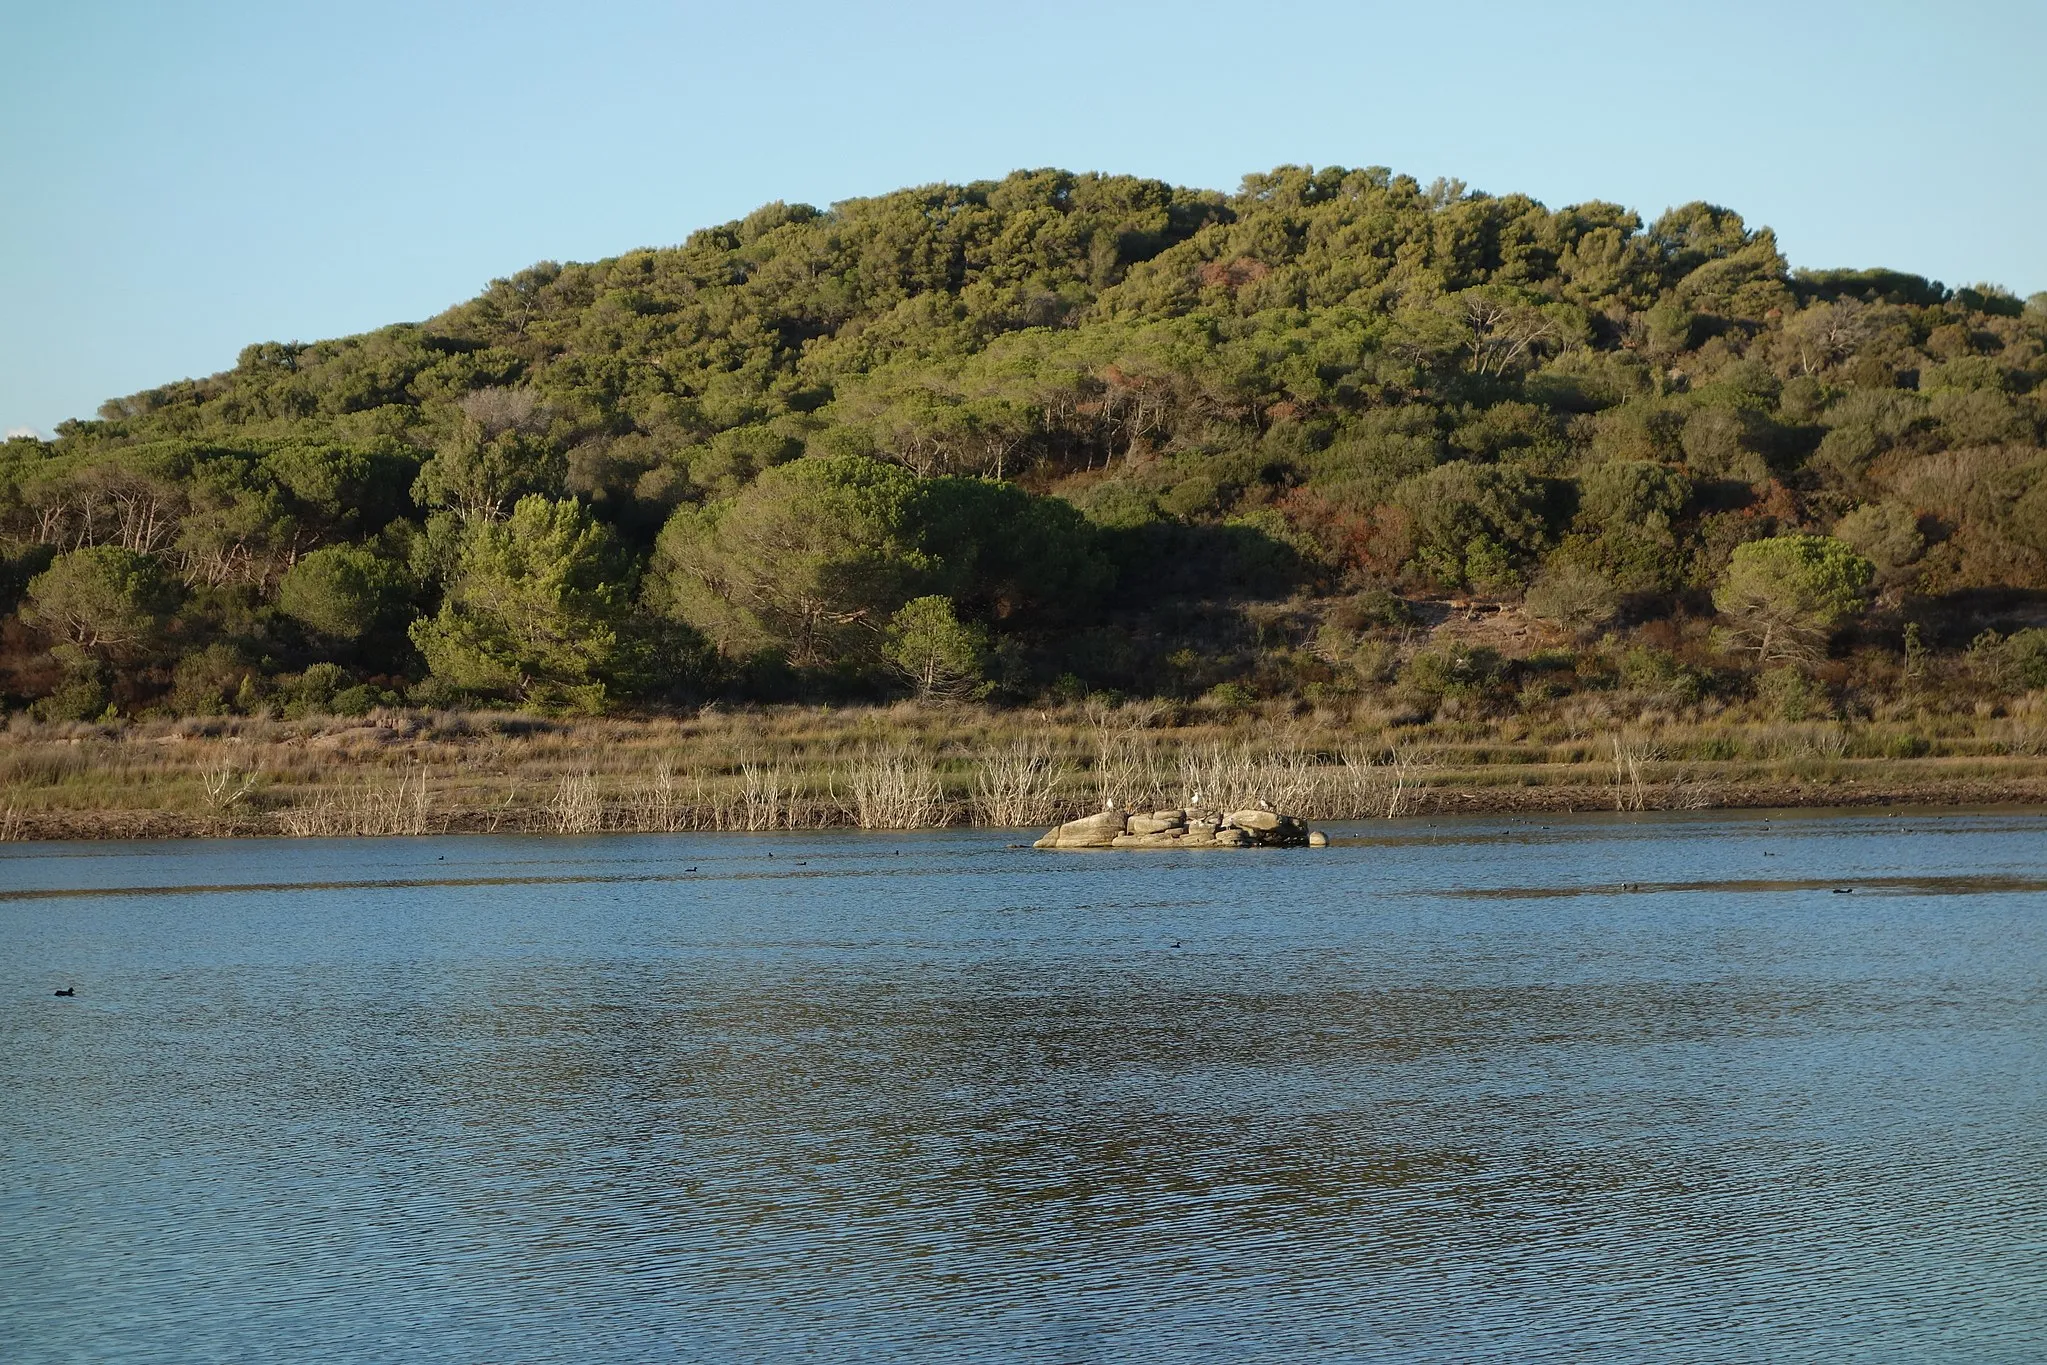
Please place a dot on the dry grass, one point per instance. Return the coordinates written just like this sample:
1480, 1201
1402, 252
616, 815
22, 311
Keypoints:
1348, 783
404, 772
1404, 764
1019, 784
225, 784
575, 807
1631, 755
2024, 731
367, 808
895, 788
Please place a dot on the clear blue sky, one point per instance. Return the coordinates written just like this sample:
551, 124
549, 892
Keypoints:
182, 179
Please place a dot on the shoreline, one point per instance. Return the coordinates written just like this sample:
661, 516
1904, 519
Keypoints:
905, 768
1433, 802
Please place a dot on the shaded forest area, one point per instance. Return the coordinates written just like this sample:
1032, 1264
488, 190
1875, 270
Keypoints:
1061, 436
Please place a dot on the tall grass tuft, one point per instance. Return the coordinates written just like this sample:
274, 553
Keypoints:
660, 808
764, 794
2023, 731
1631, 755
225, 784
1131, 774
1019, 784
1403, 764
895, 788
367, 809
576, 807
1346, 785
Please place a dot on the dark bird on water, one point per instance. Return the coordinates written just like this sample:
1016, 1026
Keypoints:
69, 990
689, 869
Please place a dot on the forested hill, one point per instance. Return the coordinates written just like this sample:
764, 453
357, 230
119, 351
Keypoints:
1055, 433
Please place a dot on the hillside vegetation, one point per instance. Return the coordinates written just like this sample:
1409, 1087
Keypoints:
1060, 436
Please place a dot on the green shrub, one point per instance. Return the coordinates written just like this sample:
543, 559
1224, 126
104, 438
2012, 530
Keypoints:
359, 700
1790, 695
81, 691
1370, 608
209, 681
1653, 670
1459, 671
2028, 653
1572, 595
312, 692
1908, 746
1231, 696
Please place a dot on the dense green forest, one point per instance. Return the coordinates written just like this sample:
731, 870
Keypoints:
1062, 434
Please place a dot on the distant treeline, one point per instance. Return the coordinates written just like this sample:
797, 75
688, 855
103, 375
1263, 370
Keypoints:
1061, 434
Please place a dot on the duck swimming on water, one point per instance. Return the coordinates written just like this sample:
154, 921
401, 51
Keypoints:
68, 990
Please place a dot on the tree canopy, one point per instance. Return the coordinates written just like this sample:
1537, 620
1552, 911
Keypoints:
102, 598
537, 611
1076, 408
1782, 597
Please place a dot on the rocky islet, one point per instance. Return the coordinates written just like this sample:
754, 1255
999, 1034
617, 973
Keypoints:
1254, 827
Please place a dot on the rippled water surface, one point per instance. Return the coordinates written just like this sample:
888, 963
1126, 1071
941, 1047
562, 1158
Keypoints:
1682, 1088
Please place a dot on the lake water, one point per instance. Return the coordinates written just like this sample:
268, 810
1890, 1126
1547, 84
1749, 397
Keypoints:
1641, 1088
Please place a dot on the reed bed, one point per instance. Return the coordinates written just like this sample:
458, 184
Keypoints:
895, 788
368, 809
1020, 784
575, 807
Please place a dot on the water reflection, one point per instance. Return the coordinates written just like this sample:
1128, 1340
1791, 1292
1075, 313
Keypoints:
934, 1098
